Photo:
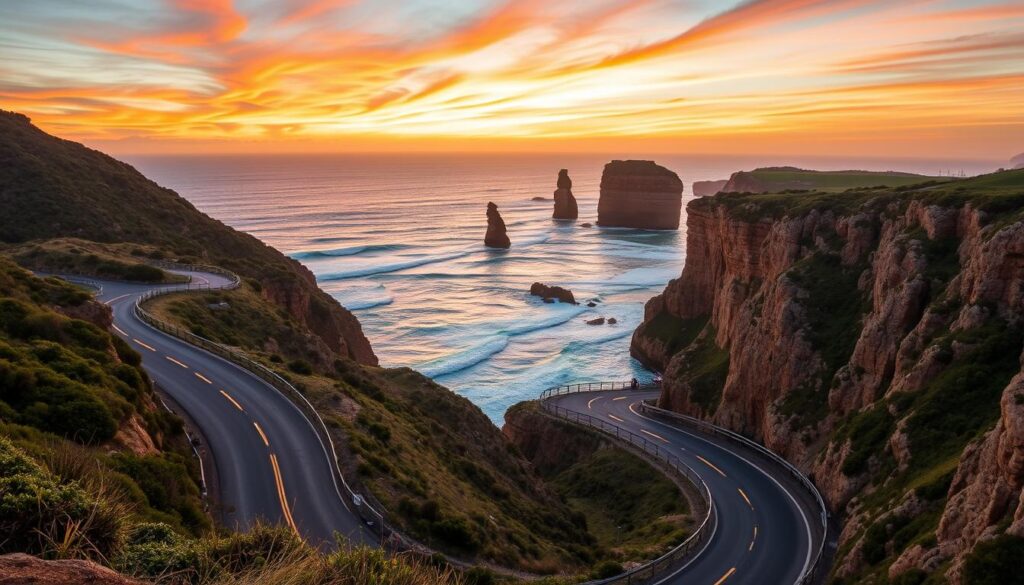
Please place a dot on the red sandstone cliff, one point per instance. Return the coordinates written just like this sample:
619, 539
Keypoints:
875, 342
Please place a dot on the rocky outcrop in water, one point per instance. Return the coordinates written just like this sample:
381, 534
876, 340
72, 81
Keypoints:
639, 194
496, 236
565, 203
552, 292
706, 188
876, 344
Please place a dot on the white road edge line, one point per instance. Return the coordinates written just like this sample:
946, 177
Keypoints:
254, 377
803, 515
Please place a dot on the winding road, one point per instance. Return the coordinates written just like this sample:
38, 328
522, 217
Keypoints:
270, 463
767, 529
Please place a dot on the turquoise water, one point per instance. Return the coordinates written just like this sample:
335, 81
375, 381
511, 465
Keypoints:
399, 241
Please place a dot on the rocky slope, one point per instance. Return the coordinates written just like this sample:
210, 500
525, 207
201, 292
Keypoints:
872, 337
52, 188
19, 569
496, 237
639, 194
565, 203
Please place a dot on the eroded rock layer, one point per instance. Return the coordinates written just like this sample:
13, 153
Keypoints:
639, 194
565, 203
873, 337
495, 236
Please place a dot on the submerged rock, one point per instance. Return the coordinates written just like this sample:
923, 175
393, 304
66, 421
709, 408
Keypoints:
612, 320
565, 203
598, 321
538, 198
496, 236
639, 194
552, 292
586, 224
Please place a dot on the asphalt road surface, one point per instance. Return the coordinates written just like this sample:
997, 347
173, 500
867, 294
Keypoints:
764, 534
270, 463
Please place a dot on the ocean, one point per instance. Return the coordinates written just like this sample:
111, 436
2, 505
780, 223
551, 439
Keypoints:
398, 239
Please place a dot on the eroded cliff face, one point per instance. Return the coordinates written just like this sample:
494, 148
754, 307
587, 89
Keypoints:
639, 194
333, 324
873, 340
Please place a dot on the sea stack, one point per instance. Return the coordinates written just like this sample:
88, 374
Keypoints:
639, 194
565, 203
496, 236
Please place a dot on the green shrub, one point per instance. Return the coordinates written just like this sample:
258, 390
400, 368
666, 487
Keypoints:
300, 367
996, 562
41, 515
607, 569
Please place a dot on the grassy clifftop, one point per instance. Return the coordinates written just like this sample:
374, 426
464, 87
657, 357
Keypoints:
775, 179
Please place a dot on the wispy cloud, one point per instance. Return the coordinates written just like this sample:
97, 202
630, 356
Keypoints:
277, 75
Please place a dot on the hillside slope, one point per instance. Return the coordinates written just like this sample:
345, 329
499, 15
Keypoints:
52, 188
873, 337
75, 398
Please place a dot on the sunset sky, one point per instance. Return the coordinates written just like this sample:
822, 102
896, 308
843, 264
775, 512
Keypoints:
888, 78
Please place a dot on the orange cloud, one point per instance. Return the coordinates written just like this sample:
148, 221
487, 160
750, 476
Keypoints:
771, 71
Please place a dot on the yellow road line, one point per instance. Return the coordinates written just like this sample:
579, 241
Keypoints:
711, 465
726, 576
745, 498
203, 378
659, 437
620, 398
176, 361
753, 540
282, 495
145, 345
119, 330
613, 417
267, 443
232, 400
591, 401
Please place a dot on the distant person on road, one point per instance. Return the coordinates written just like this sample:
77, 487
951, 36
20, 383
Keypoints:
634, 383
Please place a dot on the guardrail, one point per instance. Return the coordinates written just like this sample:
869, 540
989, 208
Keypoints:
682, 553
369, 515
814, 569
592, 387
705, 427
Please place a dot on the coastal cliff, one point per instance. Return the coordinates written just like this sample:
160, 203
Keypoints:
639, 194
705, 188
58, 189
873, 338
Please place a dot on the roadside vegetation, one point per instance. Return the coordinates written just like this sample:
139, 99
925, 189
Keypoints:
105, 261
632, 509
431, 459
